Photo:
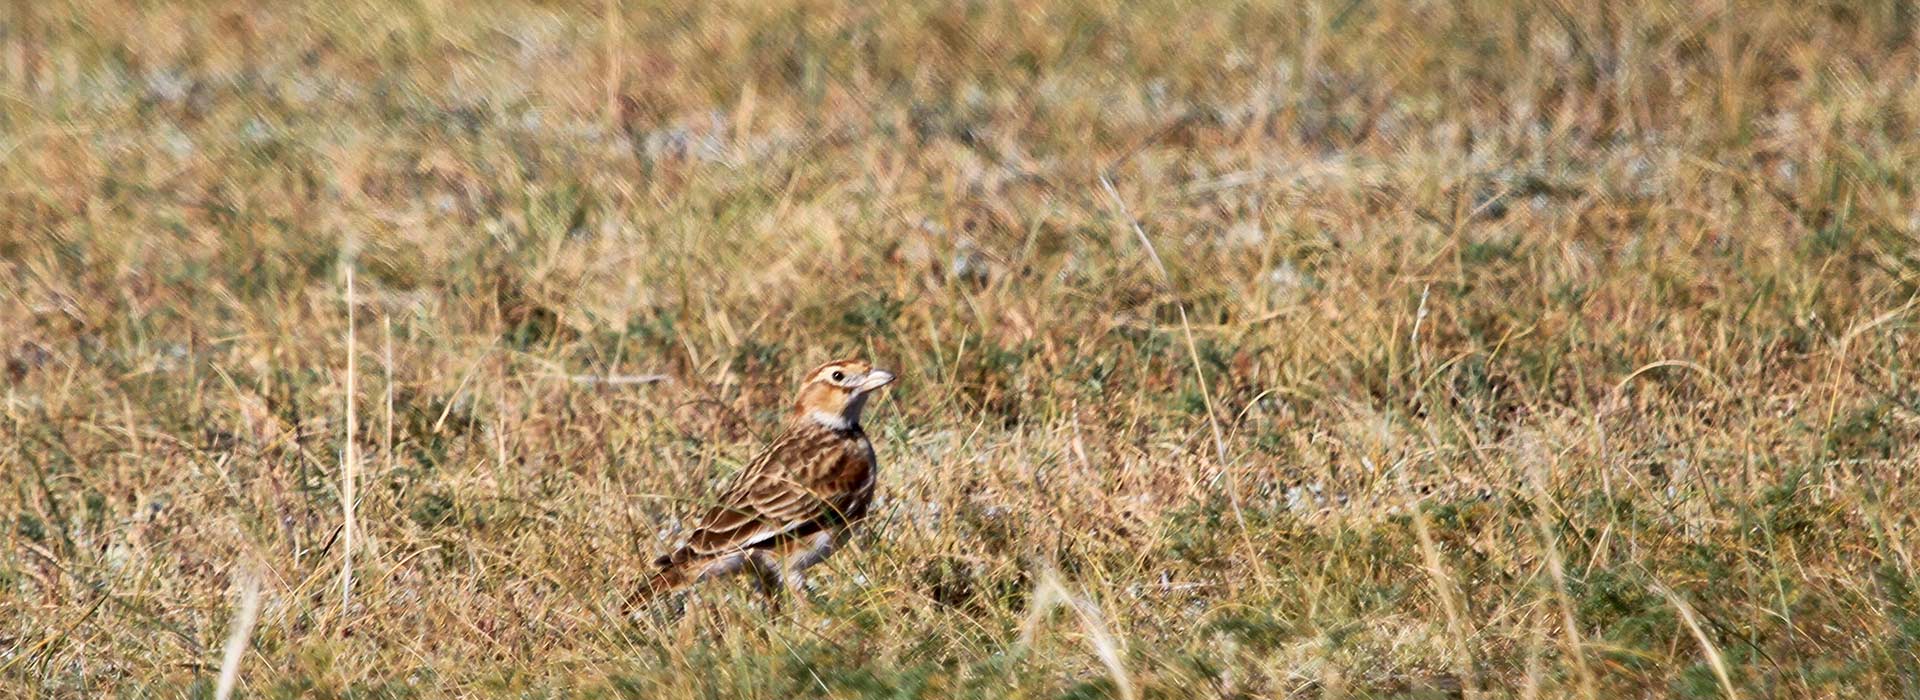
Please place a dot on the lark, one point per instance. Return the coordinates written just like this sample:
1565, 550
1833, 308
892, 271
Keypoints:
794, 504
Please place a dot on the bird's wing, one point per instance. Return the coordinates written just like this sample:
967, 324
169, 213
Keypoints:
806, 478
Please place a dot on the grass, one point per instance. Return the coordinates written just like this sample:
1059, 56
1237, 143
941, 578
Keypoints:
1552, 352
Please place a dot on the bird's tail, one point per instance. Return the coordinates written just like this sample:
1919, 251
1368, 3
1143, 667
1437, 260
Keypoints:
672, 577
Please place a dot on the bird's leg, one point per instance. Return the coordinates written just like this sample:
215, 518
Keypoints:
766, 576
813, 551
723, 566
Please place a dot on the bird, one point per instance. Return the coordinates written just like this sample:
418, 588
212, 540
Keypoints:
795, 503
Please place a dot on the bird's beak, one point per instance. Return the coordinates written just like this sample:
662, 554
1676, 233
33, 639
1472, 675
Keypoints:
875, 379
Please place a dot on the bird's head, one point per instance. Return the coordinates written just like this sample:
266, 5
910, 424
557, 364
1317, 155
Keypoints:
834, 393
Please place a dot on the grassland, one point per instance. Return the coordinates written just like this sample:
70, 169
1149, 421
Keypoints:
1329, 349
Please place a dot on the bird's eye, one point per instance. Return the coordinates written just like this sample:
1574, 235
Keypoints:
839, 376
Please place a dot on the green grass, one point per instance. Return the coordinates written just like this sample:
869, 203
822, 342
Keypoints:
1553, 352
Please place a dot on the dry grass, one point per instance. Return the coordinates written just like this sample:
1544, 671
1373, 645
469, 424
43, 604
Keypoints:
1553, 352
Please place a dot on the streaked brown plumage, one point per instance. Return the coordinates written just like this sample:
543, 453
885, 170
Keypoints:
787, 509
